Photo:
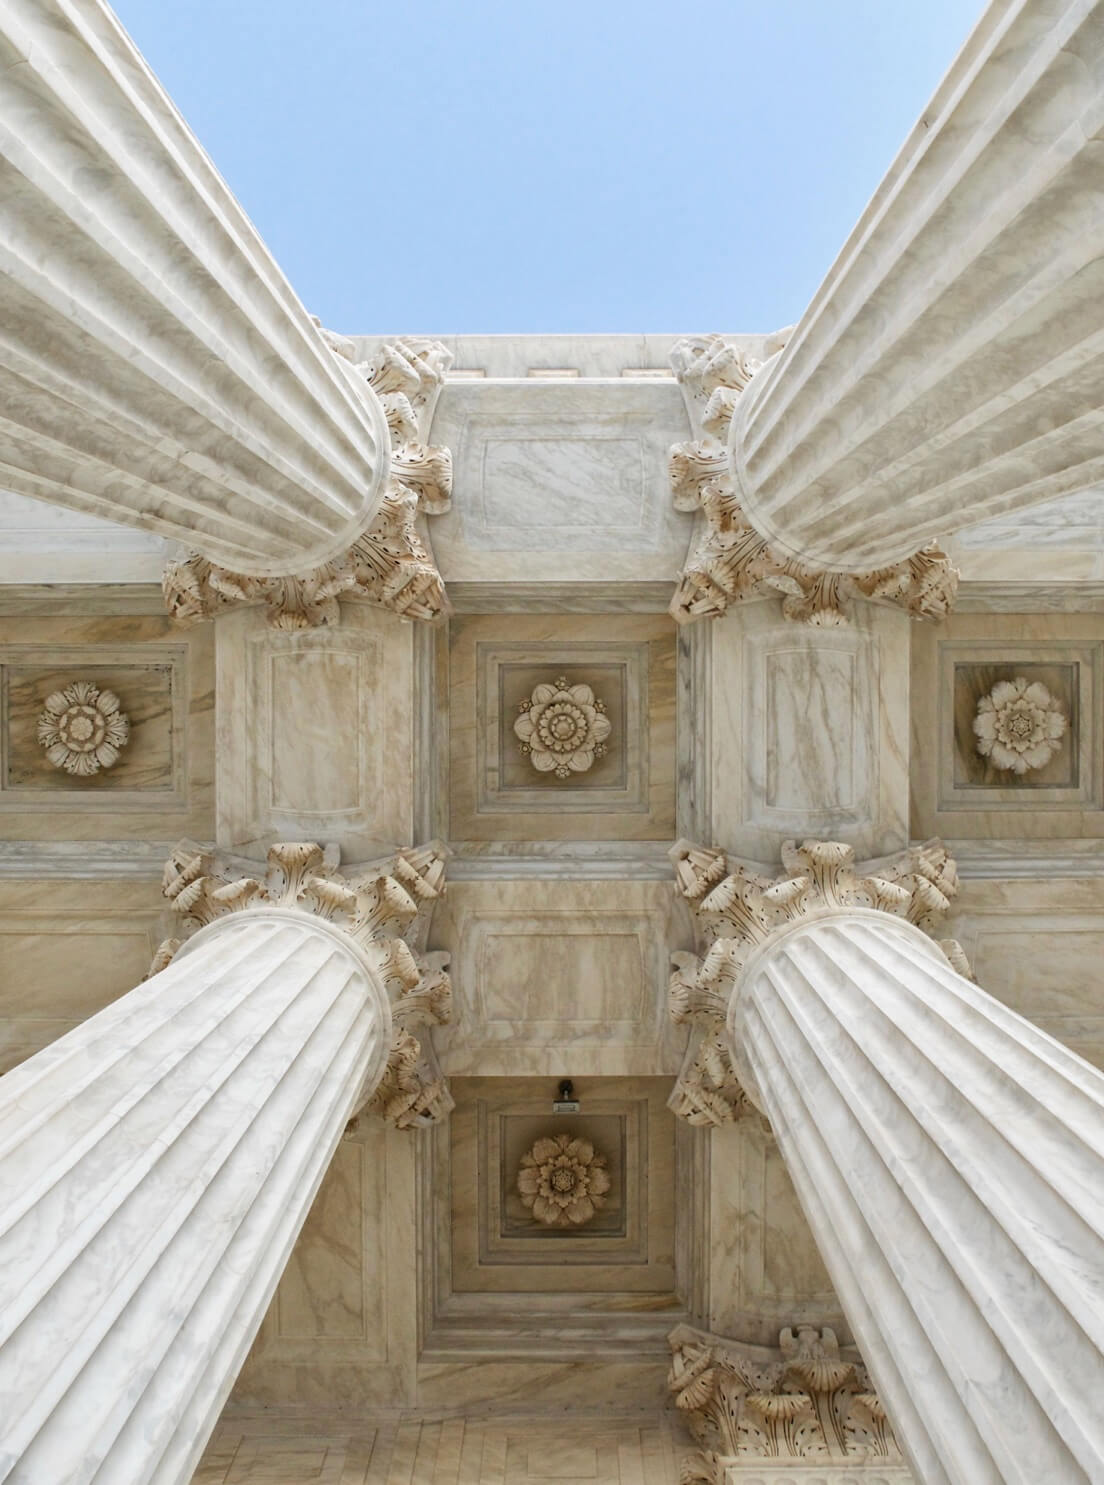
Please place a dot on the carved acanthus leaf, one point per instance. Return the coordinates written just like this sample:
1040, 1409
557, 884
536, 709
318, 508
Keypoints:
708, 1090
736, 909
805, 1400
729, 561
390, 563
383, 910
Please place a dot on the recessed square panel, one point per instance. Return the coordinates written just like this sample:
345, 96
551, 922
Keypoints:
608, 684
499, 1245
601, 1141
958, 792
597, 758
152, 685
973, 682
145, 698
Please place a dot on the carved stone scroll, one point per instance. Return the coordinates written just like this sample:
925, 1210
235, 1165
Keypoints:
729, 560
390, 564
810, 1400
384, 910
736, 909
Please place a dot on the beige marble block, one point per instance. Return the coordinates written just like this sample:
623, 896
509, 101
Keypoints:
560, 482
341, 1328
315, 732
552, 978
809, 730
1038, 946
764, 1268
67, 949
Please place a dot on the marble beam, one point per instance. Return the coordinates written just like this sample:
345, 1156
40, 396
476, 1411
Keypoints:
159, 1161
948, 1155
951, 366
156, 368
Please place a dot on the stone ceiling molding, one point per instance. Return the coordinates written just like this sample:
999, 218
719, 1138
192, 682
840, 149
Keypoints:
1019, 725
385, 912
563, 1180
391, 563
83, 729
729, 561
562, 728
808, 1400
736, 910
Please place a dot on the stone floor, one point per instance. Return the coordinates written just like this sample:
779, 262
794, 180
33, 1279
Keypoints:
266, 1450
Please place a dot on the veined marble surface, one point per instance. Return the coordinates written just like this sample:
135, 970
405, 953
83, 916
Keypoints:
558, 480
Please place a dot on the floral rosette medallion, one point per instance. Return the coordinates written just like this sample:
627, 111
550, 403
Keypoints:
562, 728
563, 1181
83, 729
1019, 726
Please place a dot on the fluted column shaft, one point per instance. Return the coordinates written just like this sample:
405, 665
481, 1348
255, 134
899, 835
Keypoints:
156, 368
951, 366
950, 1159
157, 1164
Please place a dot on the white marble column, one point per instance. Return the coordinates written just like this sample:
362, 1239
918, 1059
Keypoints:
948, 1155
158, 1162
951, 366
156, 368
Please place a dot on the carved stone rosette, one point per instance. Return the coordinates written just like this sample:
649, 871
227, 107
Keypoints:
809, 1400
729, 560
390, 564
563, 1181
736, 910
384, 911
83, 729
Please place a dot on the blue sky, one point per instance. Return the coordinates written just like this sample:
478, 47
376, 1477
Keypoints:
586, 165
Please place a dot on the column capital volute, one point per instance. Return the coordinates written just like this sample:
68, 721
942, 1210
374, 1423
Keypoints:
741, 914
732, 557
379, 912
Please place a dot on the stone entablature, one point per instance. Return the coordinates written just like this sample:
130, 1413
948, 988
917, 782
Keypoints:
729, 560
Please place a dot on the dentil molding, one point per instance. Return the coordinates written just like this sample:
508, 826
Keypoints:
384, 911
729, 560
390, 564
808, 1401
736, 910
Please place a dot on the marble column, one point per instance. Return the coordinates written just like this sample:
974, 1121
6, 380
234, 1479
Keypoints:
159, 1161
950, 367
948, 1155
156, 368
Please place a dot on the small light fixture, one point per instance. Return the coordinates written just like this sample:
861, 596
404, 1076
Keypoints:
565, 1101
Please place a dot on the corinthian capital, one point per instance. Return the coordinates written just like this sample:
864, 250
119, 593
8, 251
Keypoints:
729, 560
389, 564
384, 910
808, 1399
736, 910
